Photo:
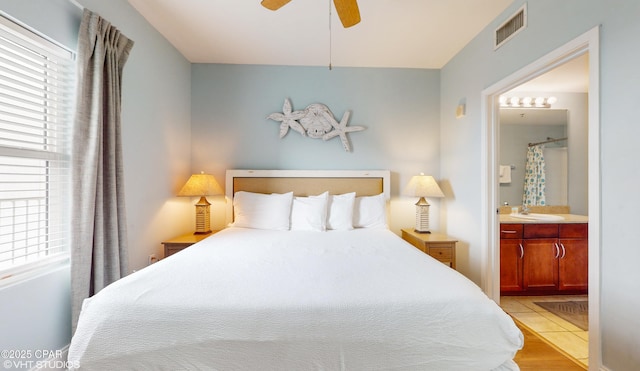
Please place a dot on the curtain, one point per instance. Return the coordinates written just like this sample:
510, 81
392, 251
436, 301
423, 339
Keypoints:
534, 177
99, 237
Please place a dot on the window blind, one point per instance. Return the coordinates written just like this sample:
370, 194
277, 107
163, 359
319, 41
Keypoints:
36, 102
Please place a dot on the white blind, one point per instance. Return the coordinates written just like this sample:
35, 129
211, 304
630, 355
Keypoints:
36, 101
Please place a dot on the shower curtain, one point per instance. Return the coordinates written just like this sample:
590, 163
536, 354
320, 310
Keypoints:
534, 177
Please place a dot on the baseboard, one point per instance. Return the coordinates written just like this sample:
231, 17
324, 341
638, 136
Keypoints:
55, 362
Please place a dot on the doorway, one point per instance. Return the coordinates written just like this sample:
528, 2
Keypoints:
586, 43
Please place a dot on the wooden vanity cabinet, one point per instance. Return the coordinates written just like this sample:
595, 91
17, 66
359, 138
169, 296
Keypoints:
574, 257
511, 258
543, 258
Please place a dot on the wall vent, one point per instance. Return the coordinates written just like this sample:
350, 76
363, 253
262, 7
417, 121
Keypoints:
511, 27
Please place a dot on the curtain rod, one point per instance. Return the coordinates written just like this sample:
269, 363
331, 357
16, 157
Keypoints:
74, 2
549, 140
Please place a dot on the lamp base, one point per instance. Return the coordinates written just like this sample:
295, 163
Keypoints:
203, 224
422, 216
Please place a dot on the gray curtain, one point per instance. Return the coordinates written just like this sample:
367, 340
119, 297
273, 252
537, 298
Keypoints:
99, 237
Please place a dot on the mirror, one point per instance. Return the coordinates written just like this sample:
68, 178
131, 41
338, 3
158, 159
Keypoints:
520, 127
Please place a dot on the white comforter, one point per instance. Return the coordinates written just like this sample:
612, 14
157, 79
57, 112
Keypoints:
289, 300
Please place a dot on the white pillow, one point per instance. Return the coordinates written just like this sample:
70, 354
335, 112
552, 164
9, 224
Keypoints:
262, 211
340, 211
370, 212
309, 213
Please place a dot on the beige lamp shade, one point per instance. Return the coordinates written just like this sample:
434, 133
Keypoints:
201, 185
423, 186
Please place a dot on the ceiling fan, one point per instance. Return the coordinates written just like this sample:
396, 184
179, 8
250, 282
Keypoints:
347, 10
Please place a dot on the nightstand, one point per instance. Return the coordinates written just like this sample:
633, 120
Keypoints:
174, 245
439, 246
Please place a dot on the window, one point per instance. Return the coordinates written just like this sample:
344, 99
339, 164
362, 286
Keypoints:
36, 102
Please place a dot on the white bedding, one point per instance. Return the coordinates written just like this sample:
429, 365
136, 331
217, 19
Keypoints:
247, 299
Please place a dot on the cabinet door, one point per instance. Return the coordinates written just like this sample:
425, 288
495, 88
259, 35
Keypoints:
511, 254
573, 264
541, 264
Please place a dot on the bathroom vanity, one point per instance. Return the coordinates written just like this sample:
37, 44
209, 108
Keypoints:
539, 257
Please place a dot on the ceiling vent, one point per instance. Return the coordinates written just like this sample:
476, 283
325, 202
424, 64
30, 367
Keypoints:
511, 27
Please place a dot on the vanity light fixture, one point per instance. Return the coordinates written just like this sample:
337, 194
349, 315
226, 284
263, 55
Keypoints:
526, 102
202, 185
423, 186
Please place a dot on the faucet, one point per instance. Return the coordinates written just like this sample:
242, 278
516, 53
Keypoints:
525, 210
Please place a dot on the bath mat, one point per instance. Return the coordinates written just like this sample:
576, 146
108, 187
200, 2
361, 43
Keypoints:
575, 312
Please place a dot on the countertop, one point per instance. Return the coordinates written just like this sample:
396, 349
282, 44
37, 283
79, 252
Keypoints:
568, 218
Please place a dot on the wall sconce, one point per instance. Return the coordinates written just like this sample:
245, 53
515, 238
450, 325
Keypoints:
527, 102
461, 109
423, 186
201, 185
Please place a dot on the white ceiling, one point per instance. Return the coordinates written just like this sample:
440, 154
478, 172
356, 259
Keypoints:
570, 77
392, 33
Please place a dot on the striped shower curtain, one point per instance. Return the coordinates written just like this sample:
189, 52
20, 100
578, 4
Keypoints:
534, 177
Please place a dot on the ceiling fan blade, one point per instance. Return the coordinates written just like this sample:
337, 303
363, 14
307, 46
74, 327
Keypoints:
274, 4
348, 12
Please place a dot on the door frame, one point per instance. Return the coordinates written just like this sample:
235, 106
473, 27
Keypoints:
490, 274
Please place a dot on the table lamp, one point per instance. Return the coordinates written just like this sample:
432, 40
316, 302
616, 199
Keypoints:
423, 186
201, 185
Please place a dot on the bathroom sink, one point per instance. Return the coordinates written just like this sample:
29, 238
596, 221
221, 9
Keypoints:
542, 217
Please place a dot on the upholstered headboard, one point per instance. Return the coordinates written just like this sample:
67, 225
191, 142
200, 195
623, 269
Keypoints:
307, 182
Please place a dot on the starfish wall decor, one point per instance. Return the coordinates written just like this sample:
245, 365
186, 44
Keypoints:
316, 121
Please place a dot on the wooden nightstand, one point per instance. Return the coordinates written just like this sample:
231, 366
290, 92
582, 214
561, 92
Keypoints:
174, 245
439, 246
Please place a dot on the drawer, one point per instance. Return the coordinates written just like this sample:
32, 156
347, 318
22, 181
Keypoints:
570, 230
172, 250
441, 253
510, 231
540, 230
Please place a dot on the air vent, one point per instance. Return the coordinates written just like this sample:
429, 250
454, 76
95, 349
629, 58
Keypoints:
511, 27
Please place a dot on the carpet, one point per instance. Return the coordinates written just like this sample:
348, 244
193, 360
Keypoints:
575, 312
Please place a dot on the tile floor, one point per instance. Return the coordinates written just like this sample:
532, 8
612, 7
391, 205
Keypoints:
567, 337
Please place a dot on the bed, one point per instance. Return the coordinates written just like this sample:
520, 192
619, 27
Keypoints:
316, 295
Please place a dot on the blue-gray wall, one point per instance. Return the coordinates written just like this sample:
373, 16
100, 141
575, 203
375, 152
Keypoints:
551, 24
398, 107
